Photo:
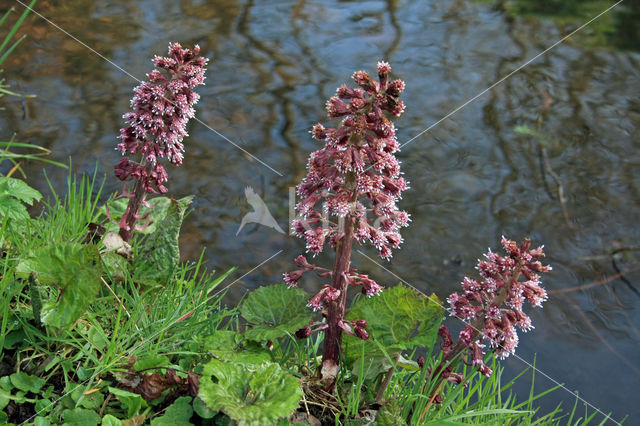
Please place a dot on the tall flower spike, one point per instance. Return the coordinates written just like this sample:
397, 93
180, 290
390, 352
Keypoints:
350, 192
157, 125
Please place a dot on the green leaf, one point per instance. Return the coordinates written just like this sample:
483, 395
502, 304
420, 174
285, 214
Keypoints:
274, 311
5, 383
373, 366
177, 414
201, 409
151, 361
13, 209
109, 420
80, 417
161, 252
26, 382
399, 319
4, 419
74, 269
132, 401
229, 346
17, 188
4, 399
250, 394
41, 421
115, 265
43, 406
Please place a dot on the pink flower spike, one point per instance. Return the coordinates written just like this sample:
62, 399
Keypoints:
156, 126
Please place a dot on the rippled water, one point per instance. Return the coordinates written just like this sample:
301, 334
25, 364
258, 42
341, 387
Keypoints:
473, 176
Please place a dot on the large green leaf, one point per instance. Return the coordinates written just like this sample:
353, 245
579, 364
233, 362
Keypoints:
248, 393
398, 319
74, 269
161, 252
274, 311
13, 193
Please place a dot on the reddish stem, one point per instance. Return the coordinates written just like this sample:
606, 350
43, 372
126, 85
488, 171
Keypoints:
336, 308
131, 215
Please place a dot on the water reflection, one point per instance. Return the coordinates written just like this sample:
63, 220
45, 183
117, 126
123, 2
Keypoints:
619, 29
473, 176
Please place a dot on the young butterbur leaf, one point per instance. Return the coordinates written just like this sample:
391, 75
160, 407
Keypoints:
250, 394
274, 311
161, 254
74, 270
398, 319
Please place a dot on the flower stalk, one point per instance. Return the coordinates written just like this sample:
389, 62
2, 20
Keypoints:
492, 309
354, 175
156, 127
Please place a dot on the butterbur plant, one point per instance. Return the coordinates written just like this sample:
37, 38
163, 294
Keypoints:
492, 306
156, 126
350, 193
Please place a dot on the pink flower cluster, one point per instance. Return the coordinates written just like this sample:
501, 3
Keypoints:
354, 174
356, 171
157, 125
492, 306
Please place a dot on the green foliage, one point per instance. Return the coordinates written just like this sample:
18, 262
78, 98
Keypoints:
231, 346
5, 47
14, 194
390, 415
26, 382
80, 417
151, 361
133, 402
177, 414
400, 318
251, 394
397, 319
275, 311
161, 252
110, 420
74, 270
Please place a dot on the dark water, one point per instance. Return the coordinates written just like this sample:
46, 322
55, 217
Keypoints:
473, 177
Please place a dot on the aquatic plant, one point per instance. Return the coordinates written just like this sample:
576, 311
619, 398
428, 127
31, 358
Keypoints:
354, 174
156, 126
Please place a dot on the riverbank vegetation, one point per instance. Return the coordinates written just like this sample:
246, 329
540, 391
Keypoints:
101, 323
